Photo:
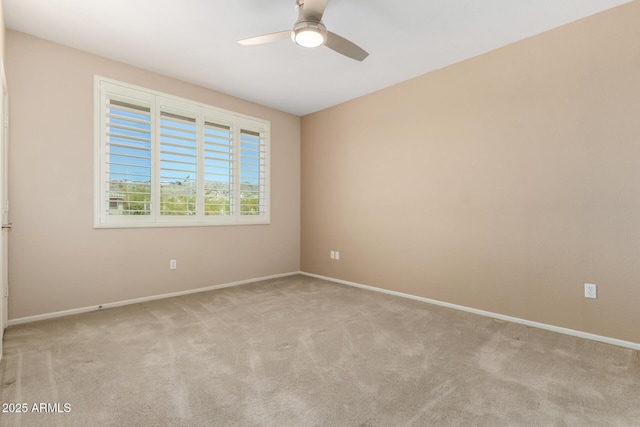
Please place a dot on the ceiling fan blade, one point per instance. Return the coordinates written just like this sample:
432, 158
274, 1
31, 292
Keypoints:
313, 9
266, 38
345, 47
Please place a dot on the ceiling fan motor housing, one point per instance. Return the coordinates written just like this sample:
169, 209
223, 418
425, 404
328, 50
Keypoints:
309, 33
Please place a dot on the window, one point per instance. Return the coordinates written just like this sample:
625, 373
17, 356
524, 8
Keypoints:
166, 161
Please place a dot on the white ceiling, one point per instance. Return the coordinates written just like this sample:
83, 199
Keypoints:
195, 40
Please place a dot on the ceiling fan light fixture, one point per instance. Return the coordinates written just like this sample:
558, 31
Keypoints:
309, 34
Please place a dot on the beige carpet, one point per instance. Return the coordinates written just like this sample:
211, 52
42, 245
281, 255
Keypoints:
300, 351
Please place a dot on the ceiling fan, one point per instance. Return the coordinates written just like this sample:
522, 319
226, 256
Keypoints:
309, 31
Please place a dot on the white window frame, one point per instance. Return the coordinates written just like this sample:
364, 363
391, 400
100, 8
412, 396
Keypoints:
105, 88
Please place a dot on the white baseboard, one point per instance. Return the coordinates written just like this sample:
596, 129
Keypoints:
53, 315
552, 328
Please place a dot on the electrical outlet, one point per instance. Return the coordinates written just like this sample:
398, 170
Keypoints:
173, 264
590, 290
337, 255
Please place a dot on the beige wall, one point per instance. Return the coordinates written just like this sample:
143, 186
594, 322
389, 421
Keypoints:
57, 260
502, 183
2, 28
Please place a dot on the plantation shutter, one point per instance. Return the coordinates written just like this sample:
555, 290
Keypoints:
165, 161
178, 163
128, 156
252, 173
218, 168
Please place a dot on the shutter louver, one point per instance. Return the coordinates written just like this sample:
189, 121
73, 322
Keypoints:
252, 173
178, 160
218, 168
128, 159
